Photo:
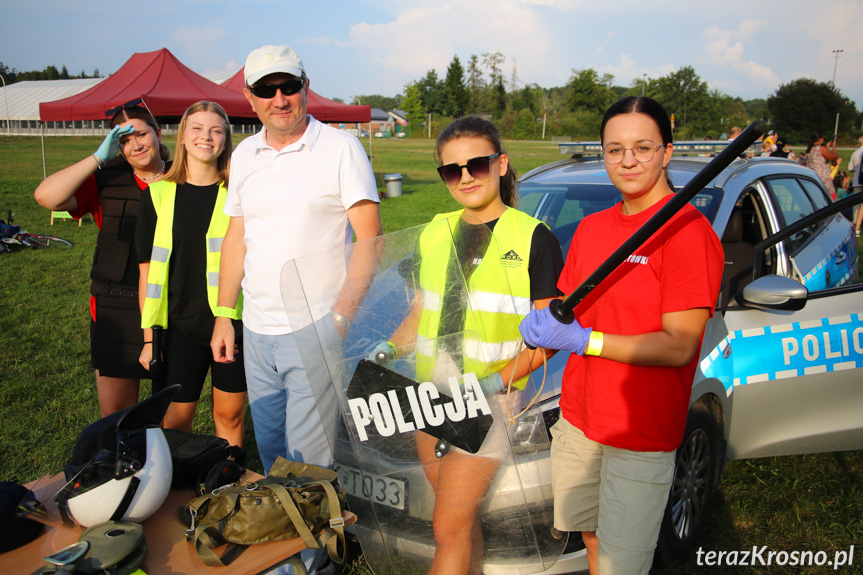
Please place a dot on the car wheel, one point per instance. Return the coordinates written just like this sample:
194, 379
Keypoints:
691, 488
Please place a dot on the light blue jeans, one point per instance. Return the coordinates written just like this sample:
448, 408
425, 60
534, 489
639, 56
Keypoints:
294, 408
293, 404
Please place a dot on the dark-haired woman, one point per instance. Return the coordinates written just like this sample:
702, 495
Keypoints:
626, 385
480, 177
781, 152
820, 157
109, 187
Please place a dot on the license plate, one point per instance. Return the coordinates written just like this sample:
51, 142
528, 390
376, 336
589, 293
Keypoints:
387, 491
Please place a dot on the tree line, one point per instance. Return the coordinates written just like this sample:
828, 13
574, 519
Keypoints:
11, 75
574, 111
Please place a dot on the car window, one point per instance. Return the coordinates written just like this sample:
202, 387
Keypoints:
707, 202
562, 207
830, 259
793, 204
815, 192
529, 202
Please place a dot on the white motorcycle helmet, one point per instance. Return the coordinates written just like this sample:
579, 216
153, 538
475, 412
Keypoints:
121, 467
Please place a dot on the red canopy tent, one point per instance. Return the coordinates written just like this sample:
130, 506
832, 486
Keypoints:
321, 108
166, 85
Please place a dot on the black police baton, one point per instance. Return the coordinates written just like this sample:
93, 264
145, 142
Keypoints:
157, 364
562, 309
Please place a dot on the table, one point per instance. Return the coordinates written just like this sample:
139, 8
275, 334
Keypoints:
168, 552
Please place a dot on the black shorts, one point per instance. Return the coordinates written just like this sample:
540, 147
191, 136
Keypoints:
187, 362
116, 337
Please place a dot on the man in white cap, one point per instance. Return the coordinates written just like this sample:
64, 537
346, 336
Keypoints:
297, 187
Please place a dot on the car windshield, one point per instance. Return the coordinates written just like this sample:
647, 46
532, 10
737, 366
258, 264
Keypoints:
562, 206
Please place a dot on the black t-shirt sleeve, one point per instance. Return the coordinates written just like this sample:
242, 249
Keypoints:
546, 263
145, 228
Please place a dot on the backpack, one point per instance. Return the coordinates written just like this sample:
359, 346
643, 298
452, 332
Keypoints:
203, 462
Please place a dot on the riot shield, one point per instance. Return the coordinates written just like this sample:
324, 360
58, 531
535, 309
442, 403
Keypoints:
432, 465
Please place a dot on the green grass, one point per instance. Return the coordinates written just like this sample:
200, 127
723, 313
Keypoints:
47, 389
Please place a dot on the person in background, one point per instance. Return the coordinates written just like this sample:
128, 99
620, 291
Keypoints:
181, 225
626, 385
480, 176
820, 157
854, 172
298, 187
769, 143
109, 187
781, 152
840, 184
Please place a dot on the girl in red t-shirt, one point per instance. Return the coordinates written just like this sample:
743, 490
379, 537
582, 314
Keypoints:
626, 385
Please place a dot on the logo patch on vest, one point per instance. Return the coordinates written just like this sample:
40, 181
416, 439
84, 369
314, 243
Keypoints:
511, 259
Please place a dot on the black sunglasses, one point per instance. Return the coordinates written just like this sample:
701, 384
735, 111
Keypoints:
477, 167
130, 104
288, 88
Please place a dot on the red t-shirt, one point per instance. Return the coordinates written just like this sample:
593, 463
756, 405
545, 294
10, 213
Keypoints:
87, 197
641, 408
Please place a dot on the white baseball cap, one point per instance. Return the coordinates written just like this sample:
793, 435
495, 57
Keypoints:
268, 60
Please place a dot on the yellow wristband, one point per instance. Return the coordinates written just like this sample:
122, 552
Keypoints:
224, 311
594, 344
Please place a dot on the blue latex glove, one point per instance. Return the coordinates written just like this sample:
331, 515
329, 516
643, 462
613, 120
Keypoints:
491, 384
111, 144
387, 348
541, 329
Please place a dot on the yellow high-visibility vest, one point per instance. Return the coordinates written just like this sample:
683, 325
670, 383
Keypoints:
164, 195
498, 294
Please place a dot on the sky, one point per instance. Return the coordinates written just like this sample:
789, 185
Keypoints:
746, 49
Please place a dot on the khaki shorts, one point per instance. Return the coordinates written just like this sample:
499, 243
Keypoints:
619, 494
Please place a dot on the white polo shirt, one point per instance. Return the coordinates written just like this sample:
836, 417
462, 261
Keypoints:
294, 203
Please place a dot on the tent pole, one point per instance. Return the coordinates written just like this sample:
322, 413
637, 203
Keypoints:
42, 137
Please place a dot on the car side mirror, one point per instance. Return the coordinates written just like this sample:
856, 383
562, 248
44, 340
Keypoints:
772, 292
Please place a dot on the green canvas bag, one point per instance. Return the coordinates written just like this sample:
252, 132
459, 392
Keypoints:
294, 500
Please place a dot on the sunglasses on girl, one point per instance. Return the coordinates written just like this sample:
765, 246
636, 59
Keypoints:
479, 168
288, 88
130, 104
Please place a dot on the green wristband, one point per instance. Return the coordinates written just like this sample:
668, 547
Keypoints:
224, 311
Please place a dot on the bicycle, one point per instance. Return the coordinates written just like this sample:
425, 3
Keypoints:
36, 241
13, 235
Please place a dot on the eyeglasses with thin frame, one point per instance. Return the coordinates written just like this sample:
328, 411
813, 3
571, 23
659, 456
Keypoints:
479, 168
613, 153
130, 104
288, 88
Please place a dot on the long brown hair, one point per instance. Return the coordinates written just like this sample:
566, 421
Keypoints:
143, 114
479, 127
179, 170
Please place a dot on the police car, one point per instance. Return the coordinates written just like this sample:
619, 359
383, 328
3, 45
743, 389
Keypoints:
782, 358
779, 373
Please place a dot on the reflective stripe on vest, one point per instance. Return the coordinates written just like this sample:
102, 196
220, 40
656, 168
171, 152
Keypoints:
164, 196
499, 293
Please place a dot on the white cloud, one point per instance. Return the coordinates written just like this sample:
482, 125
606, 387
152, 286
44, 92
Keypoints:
627, 70
427, 37
601, 48
564, 5
725, 48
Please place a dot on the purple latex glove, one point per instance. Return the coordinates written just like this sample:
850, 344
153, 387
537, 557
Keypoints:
541, 329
